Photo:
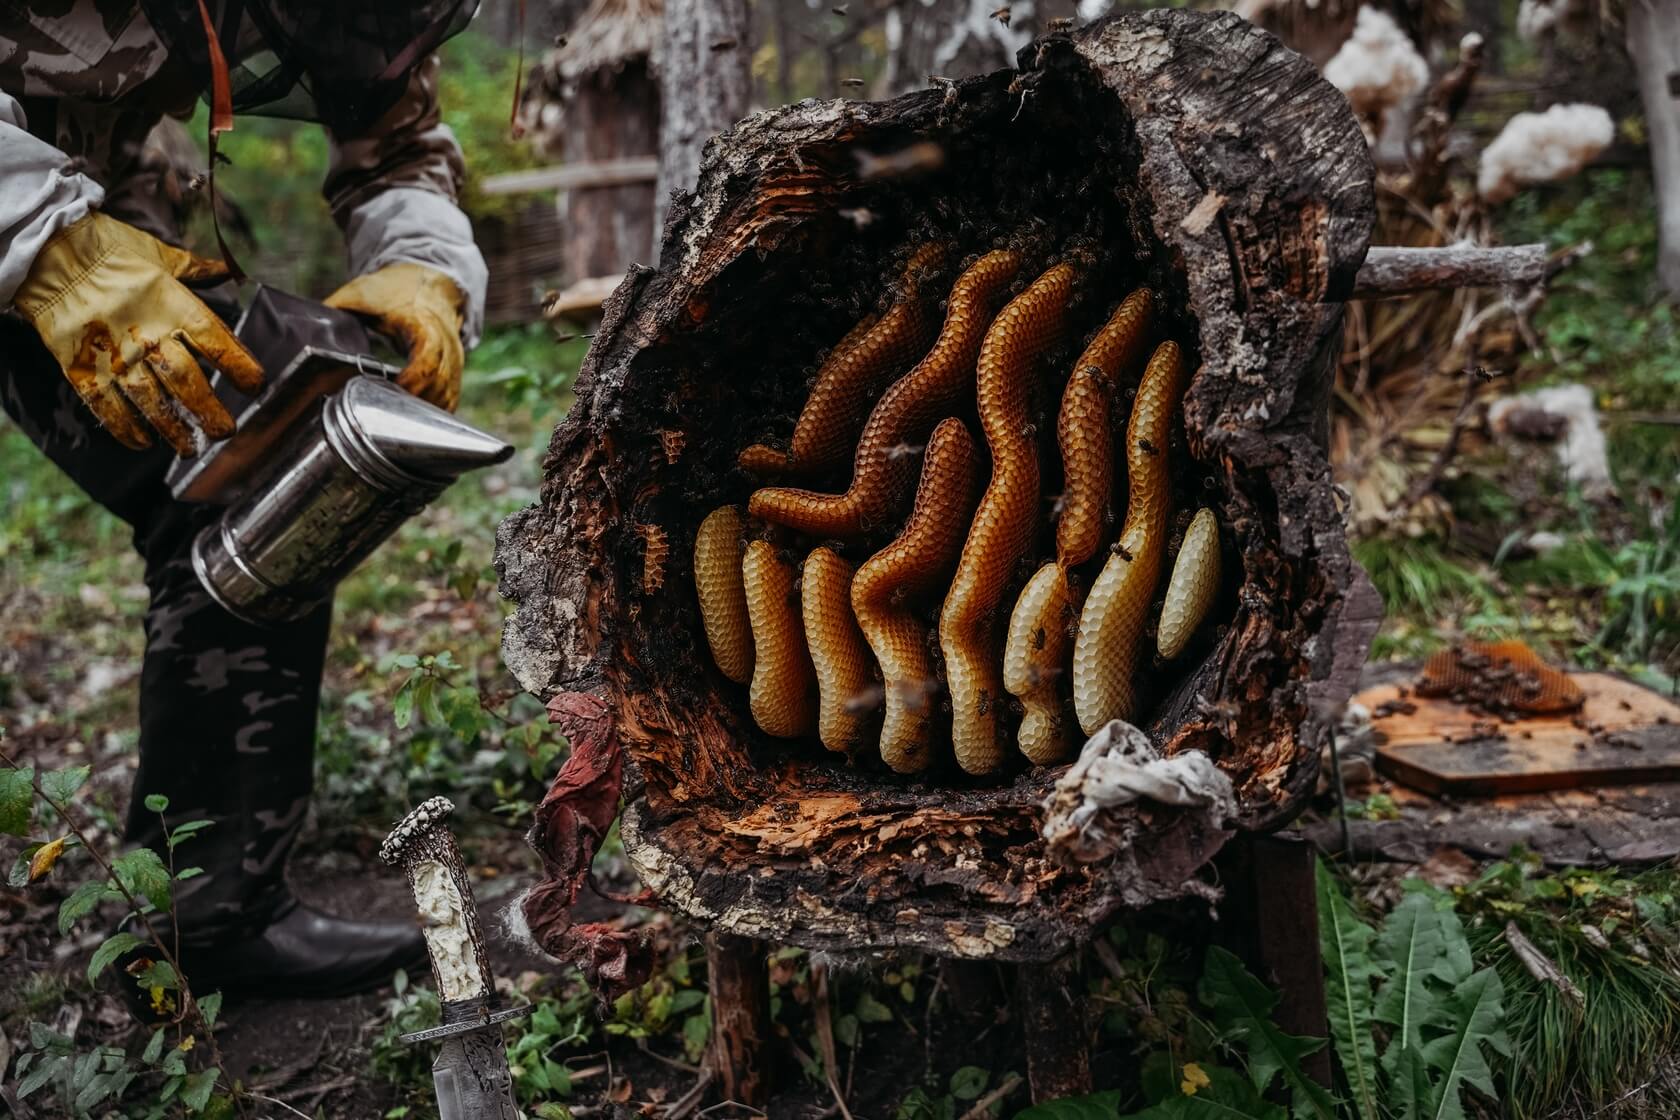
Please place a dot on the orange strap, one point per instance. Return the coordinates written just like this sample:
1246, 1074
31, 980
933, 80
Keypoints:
221, 120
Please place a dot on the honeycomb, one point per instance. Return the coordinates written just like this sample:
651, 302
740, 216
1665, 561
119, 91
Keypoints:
1502, 678
920, 610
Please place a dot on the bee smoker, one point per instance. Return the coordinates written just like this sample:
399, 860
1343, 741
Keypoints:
323, 466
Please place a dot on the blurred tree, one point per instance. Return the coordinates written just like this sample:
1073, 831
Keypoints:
705, 84
1653, 38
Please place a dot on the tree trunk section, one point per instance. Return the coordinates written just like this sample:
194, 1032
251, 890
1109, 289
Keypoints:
705, 86
1653, 29
1193, 155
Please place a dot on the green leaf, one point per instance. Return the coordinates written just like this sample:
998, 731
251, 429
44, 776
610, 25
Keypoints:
1242, 1008
156, 803
697, 1032
154, 1047
871, 1010
846, 1030
1478, 1017
195, 1094
1350, 976
47, 1069
1413, 944
430, 709
109, 950
18, 876
402, 705
144, 874
1409, 1091
686, 1000
969, 1082
182, 831
17, 800
61, 785
82, 902
210, 1007
158, 974
1097, 1106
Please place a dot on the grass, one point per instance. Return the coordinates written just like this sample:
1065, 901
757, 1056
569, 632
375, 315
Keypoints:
1613, 935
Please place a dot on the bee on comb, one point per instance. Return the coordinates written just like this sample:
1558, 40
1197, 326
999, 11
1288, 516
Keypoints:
1502, 678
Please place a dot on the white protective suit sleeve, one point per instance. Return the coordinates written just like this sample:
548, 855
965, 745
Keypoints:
40, 194
424, 227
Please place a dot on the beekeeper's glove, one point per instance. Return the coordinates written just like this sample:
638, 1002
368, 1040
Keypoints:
109, 302
419, 307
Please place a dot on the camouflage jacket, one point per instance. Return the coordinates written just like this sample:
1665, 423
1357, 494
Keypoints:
82, 84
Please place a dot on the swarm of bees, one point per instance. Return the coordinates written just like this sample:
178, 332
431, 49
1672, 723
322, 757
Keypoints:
930, 641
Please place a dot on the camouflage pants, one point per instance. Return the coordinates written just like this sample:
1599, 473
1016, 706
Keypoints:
227, 709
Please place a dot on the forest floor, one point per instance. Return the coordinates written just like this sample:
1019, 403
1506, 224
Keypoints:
72, 598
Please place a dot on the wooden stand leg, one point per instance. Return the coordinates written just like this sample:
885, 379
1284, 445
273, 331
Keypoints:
1273, 906
1053, 1028
971, 992
740, 984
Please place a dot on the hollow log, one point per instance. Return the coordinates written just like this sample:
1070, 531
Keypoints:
1185, 152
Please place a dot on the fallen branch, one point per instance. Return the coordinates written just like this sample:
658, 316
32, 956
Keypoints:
1431, 478
983, 1107
822, 1013
685, 1105
1394, 270
1540, 966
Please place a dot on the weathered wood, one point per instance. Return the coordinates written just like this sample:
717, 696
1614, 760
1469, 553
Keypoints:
1223, 173
738, 979
613, 126
1054, 1034
1394, 270
1623, 735
582, 297
574, 176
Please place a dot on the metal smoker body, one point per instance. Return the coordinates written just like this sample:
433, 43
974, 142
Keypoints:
470, 1073
325, 465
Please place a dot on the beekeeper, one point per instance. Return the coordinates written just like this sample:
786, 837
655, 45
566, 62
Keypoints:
105, 320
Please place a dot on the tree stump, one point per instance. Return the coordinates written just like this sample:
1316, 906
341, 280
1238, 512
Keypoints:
1189, 150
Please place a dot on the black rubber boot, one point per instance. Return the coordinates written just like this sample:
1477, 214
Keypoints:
301, 953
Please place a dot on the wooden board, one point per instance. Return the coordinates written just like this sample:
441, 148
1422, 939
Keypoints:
1631, 735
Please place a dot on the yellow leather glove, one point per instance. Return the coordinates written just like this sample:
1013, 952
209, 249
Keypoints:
420, 308
109, 302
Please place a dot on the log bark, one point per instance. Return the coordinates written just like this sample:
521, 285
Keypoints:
705, 86
1653, 42
1221, 171
1394, 270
